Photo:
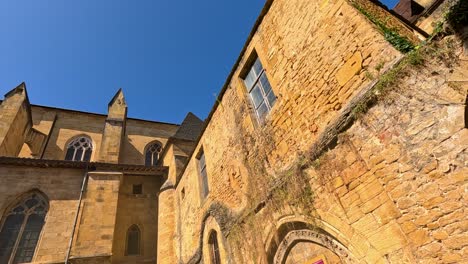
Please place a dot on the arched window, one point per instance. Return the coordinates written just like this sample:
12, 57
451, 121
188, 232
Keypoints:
133, 241
79, 149
213, 248
21, 228
152, 153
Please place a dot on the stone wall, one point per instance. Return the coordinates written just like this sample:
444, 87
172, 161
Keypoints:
61, 187
70, 124
94, 235
140, 210
318, 57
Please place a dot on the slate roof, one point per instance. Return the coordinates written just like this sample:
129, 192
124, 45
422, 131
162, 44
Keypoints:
190, 128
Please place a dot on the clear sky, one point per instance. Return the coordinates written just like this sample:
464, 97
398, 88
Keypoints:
169, 56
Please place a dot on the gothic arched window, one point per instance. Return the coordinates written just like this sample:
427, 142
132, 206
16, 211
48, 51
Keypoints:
21, 228
213, 248
79, 149
133, 241
152, 153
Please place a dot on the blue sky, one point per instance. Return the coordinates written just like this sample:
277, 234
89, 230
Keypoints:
170, 57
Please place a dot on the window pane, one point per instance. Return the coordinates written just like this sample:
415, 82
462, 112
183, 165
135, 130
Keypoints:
261, 111
214, 248
79, 154
155, 158
202, 162
87, 155
250, 80
257, 97
205, 188
257, 67
29, 239
271, 98
265, 83
133, 241
148, 158
9, 235
70, 152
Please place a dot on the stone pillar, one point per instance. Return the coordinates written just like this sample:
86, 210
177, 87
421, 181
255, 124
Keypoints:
15, 121
166, 224
114, 129
95, 229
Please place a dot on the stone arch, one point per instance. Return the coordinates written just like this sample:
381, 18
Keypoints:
216, 218
290, 234
12, 201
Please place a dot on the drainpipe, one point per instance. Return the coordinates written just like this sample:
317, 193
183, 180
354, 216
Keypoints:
83, 189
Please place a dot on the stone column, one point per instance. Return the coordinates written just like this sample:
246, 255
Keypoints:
114, 129
95, 228
166, 224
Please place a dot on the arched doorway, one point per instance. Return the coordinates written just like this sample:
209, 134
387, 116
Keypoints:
296, 243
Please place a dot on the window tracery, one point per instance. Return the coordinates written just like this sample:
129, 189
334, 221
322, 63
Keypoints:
21, 228
79, 149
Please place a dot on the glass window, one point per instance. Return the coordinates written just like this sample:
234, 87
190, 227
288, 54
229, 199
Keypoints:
259, 89
21, 229
152, 153
204, 177
215, 257
133, 241
79, 149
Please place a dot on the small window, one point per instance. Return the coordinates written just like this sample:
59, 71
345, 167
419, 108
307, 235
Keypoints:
137, 188
215, 257
260, 92
152, 153
204, 177
133, 241
79, 149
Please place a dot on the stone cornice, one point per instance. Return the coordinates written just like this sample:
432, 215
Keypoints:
92, 166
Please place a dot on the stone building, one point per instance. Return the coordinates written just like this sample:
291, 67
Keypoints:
327, 144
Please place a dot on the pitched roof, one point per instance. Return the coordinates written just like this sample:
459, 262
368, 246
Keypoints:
190, 128
409, 9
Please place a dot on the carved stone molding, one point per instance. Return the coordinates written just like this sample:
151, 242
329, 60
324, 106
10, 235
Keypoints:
306, 235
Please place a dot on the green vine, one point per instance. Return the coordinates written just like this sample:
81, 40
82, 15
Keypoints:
400, 42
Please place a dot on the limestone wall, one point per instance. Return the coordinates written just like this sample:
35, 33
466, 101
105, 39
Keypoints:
316, 55
61, 187
389, 190
70, 124
140, 210
139, 135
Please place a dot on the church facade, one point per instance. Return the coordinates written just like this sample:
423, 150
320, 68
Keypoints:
328, 143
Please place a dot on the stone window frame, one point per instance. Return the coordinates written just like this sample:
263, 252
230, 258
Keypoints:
21, 201
140, 233
72, 141
248, 66
153, 161
213, 247
202, 174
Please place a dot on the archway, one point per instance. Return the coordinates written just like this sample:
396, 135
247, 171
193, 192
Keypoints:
296, 242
